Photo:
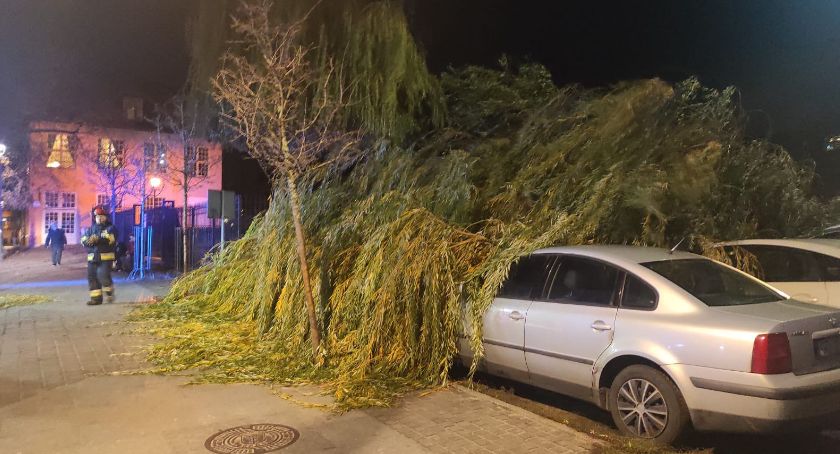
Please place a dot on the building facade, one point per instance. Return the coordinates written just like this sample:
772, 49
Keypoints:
76, 166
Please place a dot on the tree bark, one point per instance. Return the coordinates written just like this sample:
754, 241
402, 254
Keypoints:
315, 332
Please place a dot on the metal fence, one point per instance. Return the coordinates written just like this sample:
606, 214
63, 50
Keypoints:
165, 243
204, 234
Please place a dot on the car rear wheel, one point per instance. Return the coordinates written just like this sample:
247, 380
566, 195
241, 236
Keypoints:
645, 403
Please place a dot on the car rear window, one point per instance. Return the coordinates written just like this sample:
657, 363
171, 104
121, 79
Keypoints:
713, 283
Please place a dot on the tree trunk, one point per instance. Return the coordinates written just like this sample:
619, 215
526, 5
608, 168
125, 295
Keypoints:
113, 204
184, 230
315, 333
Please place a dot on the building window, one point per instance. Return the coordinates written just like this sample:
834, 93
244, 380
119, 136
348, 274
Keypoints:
68, 200
50, 217
154, 202
61, 156
51, 199
198, 161
105, 201
154, 157
111, 153
68, 222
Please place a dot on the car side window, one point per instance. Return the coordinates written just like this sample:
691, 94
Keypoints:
584, 281
526, 279
784, 264
637, 294
830, 267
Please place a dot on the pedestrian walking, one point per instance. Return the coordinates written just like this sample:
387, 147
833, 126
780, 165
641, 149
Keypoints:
56, 239
100, 240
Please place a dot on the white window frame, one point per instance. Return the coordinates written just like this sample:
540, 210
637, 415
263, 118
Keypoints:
50, 217
68, 200
71, 226
154, 202
50, 204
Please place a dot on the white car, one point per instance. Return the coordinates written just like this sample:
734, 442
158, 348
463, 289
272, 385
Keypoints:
662, 340
806, 269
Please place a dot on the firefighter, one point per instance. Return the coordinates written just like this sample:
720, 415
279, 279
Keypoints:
100, 240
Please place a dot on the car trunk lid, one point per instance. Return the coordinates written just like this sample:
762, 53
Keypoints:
813, 331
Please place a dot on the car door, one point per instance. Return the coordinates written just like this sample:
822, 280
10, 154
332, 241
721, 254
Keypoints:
830, 267
572, 325
793, 271
504, 321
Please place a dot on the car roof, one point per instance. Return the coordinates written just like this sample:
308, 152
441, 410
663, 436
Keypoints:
831, 229
822, 245
621, 253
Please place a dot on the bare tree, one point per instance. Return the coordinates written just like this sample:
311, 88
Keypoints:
191, 164
287, 111
15, 164
117, 171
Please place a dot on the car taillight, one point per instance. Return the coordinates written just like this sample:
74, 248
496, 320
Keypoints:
771, 354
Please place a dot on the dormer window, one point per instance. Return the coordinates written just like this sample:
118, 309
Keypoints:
133, 108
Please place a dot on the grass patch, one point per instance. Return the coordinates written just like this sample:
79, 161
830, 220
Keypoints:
7, 301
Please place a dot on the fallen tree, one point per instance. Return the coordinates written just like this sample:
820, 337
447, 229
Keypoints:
406, 244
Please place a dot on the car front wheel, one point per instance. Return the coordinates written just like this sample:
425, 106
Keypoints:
645, 403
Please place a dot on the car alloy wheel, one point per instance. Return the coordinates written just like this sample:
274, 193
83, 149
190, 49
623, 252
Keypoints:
642, 408
645, 403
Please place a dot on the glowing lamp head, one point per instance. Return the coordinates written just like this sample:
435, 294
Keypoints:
155, 182
53, 164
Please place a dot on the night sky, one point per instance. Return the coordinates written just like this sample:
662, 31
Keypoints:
69, 56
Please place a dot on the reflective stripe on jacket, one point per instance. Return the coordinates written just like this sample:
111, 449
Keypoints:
104, 247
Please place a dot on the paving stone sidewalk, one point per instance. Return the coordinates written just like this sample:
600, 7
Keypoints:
459, 420
58, 394
62, 342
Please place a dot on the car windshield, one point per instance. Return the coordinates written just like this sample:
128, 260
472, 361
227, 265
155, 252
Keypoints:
713, 283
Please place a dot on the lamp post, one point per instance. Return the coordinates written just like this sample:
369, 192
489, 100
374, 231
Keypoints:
2, 207
155, 183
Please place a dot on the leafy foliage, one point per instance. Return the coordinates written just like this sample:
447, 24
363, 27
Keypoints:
410, 245
391, 92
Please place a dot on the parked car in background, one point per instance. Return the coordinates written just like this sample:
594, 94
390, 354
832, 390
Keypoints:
832, 232
806, 269
663, 339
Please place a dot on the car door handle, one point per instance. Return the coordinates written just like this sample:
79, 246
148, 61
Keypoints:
516, 315
599, 325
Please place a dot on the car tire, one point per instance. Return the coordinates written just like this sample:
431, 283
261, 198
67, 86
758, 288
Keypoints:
659, 414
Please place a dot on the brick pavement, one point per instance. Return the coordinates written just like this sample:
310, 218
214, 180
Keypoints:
54, 344
459, 420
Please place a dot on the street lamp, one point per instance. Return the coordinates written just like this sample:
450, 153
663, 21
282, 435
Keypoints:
155, 183
2, 171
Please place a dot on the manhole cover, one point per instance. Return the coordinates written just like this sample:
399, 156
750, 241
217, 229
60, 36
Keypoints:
252, 439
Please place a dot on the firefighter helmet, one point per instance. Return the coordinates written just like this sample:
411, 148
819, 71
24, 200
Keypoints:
100, 211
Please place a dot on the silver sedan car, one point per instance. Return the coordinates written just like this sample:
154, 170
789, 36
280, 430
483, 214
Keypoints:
663, 340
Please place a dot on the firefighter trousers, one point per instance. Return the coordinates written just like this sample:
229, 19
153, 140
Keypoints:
99, 280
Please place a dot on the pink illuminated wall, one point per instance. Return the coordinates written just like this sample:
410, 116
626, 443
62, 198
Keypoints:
65, 183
